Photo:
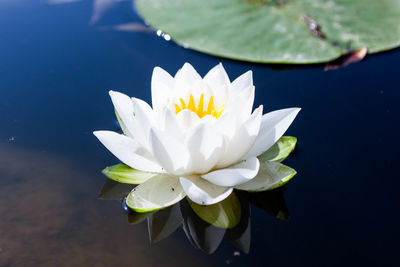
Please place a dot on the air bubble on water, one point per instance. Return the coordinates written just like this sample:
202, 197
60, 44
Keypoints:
166, 36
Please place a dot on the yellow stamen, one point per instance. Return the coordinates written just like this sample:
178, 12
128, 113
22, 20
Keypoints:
183, 103
219, 112
191, 105
211, 107
177, 109
200, 108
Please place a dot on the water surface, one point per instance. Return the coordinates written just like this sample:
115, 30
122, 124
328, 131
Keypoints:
55, 73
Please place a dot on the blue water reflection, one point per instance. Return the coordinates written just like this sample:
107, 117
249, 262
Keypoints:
55, 71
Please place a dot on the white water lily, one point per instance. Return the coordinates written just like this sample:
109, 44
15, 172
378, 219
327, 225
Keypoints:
200, 138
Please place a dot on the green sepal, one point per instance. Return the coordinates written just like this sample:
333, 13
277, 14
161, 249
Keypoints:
280, 150
127, 175
270, 176
224, 214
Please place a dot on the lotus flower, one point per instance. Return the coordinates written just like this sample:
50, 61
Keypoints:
201, 138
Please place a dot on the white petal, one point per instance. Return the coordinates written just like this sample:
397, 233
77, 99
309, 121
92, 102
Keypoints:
187, 119
203, 192
144, 120
205, 146
241, 83
171, 154
217, 79
242, 141
234, 175
271, 175
169, 123
128, 151
217, 76
241, 104
185, 78
162, 84
124, 108
156, 193
273, 126
226, 124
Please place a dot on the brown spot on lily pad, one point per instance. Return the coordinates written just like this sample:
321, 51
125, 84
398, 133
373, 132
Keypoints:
313, 27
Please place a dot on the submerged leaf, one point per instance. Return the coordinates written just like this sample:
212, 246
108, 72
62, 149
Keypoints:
296, 31
224, 214
125, 174
280, 150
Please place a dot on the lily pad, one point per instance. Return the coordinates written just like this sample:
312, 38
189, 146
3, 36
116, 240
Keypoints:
285, 31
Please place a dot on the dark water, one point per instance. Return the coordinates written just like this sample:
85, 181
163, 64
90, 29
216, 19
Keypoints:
55, 72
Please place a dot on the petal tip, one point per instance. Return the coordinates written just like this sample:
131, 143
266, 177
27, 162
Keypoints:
158, 69
112, 93
97, 133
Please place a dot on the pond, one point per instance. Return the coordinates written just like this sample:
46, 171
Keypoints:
56, 69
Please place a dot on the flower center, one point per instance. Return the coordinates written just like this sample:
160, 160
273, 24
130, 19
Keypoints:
200, 111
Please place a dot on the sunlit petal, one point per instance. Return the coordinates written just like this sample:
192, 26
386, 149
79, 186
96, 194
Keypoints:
273, 126
144, 120
217, 79
205, 146
241, 104
128, 151
124, 110
241, 83
234, 175
243, 140
185, 78
162, 84
171, 154
203, 192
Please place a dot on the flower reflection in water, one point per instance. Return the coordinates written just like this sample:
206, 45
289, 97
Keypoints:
205, 226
